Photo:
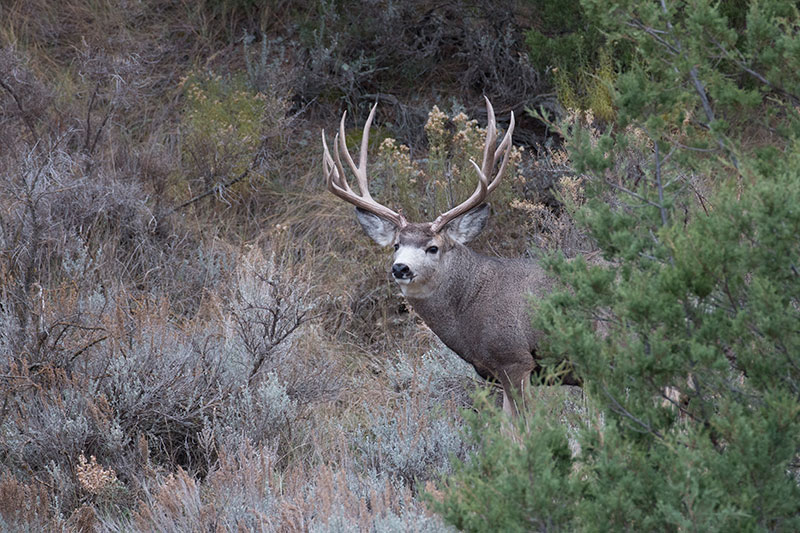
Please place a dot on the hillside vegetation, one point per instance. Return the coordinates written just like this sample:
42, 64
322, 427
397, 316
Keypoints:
196, 336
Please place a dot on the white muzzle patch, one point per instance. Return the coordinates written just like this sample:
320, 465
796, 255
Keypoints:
412, 282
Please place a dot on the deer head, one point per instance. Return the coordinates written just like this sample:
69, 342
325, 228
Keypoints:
420, 249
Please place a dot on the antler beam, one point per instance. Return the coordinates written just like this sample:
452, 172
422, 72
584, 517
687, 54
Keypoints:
335, 177
490, 156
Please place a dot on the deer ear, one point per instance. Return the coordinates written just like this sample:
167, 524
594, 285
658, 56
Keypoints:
379, 229
466, 227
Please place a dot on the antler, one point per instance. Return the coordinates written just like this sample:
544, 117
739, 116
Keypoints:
490, 156
334, 173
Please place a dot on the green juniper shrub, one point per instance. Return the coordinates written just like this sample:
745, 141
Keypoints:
686, 333
516, 483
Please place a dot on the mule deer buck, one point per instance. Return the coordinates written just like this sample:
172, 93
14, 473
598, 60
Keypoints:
477, 305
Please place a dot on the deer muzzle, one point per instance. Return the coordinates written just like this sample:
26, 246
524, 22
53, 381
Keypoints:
401, 271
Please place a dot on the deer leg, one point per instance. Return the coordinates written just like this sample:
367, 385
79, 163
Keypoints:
508, 406
515, 381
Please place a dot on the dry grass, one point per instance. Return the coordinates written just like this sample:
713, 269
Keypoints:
193, 335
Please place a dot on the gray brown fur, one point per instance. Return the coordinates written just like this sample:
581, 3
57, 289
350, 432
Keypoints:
479, 306
481, 310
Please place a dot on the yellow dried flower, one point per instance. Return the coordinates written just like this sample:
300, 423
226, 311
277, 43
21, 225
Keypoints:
436, 122
92, 476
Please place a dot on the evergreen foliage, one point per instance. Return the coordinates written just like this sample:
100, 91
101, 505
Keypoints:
687, 334
570, 46
511, 485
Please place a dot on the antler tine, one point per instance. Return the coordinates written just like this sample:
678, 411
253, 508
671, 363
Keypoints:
491, 138
474, 200
339, 168
359, 171
489, 158
337, 183
505, 149
334, 177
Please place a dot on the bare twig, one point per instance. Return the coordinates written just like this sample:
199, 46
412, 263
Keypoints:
617, 407
219, 187
632, 193
86, 347
760, 77
89, 109
22, 112
661, 207
656, 35
701, 91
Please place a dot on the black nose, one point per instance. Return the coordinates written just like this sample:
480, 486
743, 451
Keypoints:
400, 270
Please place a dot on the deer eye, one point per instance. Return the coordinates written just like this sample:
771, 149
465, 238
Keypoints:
396, 246
432, 249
